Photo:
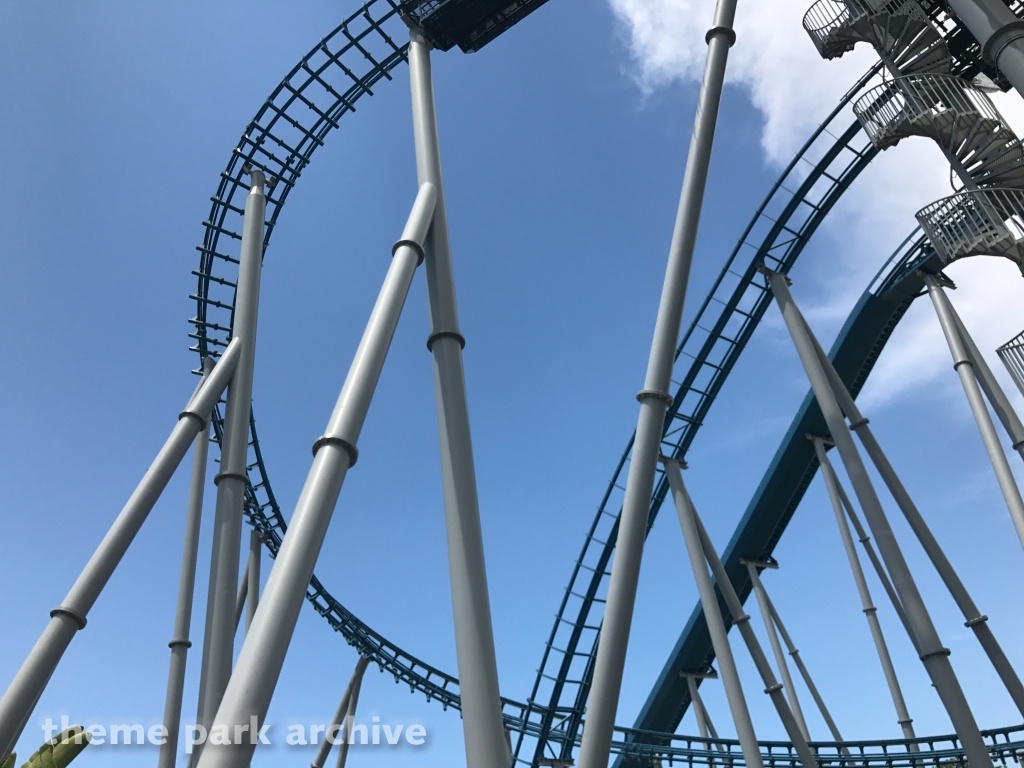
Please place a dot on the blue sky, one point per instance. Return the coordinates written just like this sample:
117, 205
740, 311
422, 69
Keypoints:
564, 144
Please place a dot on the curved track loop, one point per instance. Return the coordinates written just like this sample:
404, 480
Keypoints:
292, 124
281, 139
780, 229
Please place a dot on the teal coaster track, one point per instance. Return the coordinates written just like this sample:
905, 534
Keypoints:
280, 140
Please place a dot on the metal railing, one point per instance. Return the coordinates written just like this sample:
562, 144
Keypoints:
981, 222
1012, 355
925, 105
1004, 745
825, 18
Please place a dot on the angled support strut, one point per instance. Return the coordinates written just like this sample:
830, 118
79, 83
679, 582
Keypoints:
180, 642
965, 368
933, 654
654, 403
716, 623
70, 616
251, 687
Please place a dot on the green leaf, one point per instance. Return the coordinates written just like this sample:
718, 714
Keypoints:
58, 752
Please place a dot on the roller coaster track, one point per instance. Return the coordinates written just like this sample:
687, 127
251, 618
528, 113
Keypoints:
281, 139
806, 191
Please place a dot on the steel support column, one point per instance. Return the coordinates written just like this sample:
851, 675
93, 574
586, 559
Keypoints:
219, 645
70, 616
867, 605
773, 639
340, 725
876, 564
654, 401
483, 729
713, 613
965, 369
240, 597
251, 687
1000, 33
772, 687
180, 642
252, 577
990, 386
704, 724
934, 655
825, 714
973, 617
350, 716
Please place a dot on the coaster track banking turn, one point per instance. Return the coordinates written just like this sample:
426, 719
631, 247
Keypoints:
281, 139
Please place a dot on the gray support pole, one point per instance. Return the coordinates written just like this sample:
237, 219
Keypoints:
963, 366
251, 687
240, 597
252, 576
218, 650
826, 715
704, 724
990, 385
339, 721
654, 401
1000, 33
350, 716
698, 710
180, 642
973, 617
742, 621
70, 616
867, 605
780, 657
713, 617
482, 725
934, 655
879, 569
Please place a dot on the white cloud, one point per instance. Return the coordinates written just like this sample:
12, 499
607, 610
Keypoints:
776, 63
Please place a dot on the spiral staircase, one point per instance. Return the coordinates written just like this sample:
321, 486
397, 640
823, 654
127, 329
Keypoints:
929, 93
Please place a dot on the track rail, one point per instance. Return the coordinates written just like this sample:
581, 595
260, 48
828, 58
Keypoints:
782, 226
281, 140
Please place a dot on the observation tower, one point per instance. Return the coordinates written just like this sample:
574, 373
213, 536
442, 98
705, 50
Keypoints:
937, 65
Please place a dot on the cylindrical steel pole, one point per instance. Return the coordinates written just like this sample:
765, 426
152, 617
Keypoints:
963, 366
867, 605
252, 575
483, 729
713, 617
654, 401
218, 650
973, 617
252, 683
180, 642
773, 639
934, 655
350, 716
70, 616
742, 621
990, 385
338, 722
1000, 33
826, 715
876, 564
240, 597
698, 710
